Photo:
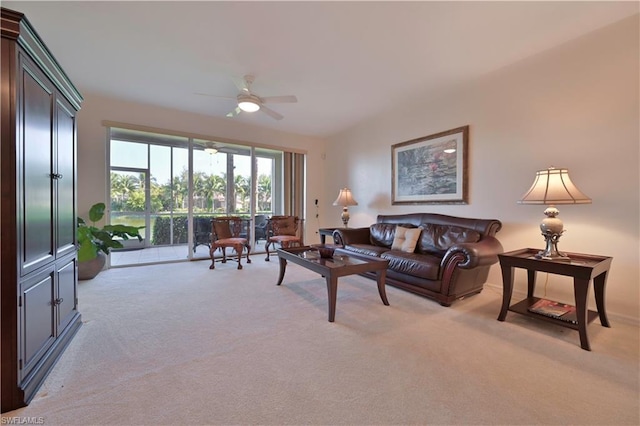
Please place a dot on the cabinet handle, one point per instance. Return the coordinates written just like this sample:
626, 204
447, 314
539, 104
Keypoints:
56, 176
58, 301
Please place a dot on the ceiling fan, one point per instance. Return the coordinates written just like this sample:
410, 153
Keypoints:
213, 148
250, 102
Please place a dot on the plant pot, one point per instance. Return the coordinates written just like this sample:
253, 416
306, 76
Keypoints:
89, 269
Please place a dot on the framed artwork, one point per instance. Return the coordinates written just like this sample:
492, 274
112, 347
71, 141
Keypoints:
431, 169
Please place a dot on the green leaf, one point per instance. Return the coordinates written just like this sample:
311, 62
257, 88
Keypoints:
87, 252
97, 212
113, 244
124, 231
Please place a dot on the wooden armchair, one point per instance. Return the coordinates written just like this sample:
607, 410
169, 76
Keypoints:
229, 231
261, 221
283, 230
201, 232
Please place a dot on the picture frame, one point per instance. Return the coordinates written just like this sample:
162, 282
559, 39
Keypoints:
431, 169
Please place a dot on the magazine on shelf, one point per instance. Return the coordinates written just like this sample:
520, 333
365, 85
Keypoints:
554, 309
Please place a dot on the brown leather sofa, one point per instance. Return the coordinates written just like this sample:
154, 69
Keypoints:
451, 259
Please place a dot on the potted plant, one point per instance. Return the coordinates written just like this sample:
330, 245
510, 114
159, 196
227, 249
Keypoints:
95, 243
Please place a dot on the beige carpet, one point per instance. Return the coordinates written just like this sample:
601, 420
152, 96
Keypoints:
181, 344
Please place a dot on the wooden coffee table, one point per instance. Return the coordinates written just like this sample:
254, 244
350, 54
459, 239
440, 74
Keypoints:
333, 268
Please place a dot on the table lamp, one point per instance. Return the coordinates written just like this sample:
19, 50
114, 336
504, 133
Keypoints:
551, 187
345, 199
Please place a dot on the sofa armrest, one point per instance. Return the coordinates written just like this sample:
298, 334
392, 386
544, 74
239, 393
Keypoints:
344, 236
484, 252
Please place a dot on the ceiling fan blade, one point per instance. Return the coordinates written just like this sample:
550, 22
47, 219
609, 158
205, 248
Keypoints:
216, 96
235, 112
271, 113
240, 84
279, 99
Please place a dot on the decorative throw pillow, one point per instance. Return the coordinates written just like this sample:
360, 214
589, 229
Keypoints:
406, 239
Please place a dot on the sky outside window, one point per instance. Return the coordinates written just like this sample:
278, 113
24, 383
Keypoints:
132, 154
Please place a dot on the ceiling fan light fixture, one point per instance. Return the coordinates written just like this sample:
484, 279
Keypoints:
248, 103
248, 106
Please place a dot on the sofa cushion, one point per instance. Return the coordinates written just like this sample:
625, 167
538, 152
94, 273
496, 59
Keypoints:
382, 234
436, 239
419, 265
405, 239
366, 249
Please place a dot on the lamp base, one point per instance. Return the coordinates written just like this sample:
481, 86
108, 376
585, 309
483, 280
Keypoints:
345, 216
551, 251
543, 256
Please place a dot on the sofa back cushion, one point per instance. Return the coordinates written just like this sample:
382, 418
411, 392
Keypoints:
382, 234
436, 239
488, 227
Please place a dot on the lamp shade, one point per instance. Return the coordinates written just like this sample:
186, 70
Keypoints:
553, 186
345, 198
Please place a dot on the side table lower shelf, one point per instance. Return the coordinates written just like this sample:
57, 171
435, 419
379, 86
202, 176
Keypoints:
568, 320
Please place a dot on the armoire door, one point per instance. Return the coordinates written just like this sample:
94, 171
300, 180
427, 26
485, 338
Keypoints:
66, 296
37, 318
35, 225
64, 178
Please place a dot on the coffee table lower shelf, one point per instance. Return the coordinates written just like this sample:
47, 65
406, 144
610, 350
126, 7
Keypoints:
568, 320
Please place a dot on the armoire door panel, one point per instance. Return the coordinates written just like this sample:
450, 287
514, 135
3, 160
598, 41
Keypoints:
66, 298
37, 318
36, 198
65, 179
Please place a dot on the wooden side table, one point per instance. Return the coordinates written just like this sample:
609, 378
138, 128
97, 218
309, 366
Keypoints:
583, 268
324, 232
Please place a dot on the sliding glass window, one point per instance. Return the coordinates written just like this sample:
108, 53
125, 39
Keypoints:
173, 186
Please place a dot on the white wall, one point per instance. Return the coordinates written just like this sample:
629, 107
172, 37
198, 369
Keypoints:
575, 106
92, 143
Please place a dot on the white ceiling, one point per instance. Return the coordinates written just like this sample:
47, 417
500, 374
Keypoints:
345, 61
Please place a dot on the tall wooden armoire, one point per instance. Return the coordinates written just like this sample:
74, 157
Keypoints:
38, 273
